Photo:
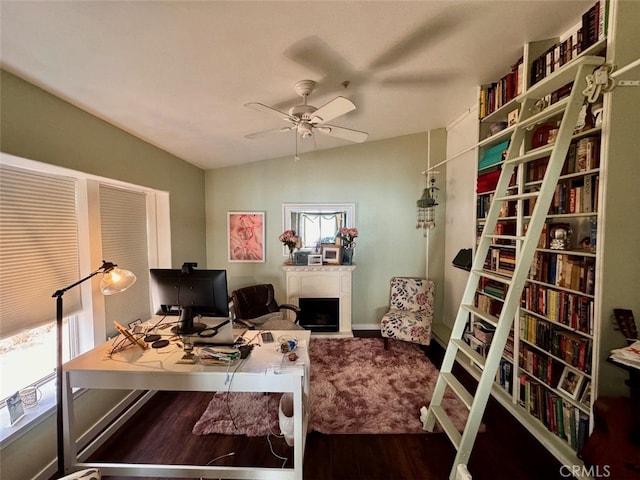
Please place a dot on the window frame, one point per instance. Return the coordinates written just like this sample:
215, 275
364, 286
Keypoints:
84, 334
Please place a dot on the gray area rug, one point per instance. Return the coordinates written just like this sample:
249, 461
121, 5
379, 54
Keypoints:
357, 387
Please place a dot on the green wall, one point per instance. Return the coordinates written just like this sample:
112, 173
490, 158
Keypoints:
382, 178
39, 126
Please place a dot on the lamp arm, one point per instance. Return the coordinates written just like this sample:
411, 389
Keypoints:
104, 268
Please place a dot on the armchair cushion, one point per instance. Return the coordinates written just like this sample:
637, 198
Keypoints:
256, 307
271, 321
410, 310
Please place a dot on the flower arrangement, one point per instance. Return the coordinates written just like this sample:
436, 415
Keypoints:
348, 236
289, 239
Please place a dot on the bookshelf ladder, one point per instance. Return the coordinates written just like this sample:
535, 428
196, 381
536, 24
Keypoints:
526, 245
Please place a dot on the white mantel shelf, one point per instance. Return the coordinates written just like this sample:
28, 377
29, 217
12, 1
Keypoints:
318, 281
317, 268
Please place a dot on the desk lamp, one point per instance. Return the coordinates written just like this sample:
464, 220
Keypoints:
114, 280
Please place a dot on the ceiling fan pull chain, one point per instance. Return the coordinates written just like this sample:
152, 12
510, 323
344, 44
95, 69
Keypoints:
296, 158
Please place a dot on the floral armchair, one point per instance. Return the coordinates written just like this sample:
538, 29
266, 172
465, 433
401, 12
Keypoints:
410, 311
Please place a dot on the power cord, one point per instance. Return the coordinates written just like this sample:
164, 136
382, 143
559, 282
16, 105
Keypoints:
271, 433
230, 454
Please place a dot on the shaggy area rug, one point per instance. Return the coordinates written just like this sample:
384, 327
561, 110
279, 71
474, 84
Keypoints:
357, 387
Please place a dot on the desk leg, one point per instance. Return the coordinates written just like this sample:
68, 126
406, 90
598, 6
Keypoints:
634, 386
68, 425
298, 434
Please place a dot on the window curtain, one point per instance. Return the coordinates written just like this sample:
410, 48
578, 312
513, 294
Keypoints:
38, 247
123, 218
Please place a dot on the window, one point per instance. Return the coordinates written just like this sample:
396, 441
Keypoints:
49, 239
123, 218
317, 223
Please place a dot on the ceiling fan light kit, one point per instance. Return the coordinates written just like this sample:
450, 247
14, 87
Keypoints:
307, 119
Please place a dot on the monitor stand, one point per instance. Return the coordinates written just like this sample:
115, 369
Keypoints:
186, 325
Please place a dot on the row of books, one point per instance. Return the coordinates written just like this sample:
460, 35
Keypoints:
501, 260
564, 270
571, 348
579, 195
556, 413
540, 366
483, 203
488, 304
505, 375
587, 155
583, 155
587, 33
497, 94
493, 287
570, 309
576, 196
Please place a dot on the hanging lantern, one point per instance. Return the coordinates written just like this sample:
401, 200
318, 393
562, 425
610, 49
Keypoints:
426, 206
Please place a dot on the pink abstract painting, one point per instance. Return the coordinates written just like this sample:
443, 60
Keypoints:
246, 236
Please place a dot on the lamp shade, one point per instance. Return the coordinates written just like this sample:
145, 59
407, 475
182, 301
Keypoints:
116, 280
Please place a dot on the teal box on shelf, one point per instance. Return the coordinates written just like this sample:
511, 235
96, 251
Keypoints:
493, 155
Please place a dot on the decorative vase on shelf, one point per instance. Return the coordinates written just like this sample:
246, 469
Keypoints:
290, 260
347, 255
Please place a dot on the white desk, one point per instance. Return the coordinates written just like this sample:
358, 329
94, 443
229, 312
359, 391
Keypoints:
156, 369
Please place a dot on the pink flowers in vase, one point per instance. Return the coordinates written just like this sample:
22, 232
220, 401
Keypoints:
348, 236
289, 239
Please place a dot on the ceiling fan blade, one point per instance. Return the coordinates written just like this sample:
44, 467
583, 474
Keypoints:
341, 132
319, 57
418, 80
267, 132
429, 32
336, 107
261, 107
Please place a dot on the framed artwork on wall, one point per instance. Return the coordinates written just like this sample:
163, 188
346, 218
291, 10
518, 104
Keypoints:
245, 237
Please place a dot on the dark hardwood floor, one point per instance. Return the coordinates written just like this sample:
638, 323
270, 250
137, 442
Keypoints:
161, 433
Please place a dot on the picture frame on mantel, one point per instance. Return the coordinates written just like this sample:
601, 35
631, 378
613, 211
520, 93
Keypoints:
245, 237
331, 254
314, 259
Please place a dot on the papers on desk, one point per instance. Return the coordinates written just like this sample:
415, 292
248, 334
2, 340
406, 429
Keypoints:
629, 356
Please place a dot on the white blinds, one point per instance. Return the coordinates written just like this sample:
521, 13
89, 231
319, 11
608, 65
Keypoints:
123, 216
38, 247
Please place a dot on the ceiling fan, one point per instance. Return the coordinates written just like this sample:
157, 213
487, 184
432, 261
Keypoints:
306, 119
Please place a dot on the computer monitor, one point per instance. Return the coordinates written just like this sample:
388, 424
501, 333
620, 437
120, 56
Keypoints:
188, 293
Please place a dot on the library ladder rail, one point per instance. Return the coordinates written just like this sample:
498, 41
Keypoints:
526, 244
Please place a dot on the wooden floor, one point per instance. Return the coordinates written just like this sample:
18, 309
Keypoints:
161, 432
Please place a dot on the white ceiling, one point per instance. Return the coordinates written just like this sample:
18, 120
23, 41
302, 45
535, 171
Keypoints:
177, 73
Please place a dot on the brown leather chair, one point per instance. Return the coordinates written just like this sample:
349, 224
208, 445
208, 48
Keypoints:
256, 306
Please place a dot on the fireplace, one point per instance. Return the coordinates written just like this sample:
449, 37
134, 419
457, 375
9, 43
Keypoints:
320, 314
321, 282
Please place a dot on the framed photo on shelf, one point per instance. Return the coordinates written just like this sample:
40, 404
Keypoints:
245, 237
585, 398
570, 383
314, 259
15, 408
331, 254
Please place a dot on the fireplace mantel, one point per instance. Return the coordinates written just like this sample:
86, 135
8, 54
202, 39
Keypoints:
322, 281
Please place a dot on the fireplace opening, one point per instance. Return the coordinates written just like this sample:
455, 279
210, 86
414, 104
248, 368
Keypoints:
320, 314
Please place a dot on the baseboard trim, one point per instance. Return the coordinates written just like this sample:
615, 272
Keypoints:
366, 326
